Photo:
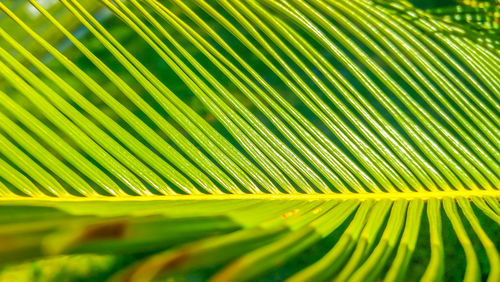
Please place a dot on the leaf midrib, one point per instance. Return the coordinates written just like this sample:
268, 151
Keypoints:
308, 197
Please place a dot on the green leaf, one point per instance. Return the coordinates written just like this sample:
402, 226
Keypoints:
243, 140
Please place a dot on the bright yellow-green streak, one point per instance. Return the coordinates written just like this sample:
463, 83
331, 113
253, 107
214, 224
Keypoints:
308, 197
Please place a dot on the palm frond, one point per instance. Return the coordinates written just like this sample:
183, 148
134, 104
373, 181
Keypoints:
229, 139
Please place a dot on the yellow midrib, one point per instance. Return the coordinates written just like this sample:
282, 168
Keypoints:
333, 196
